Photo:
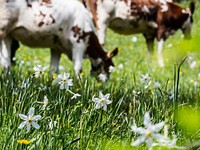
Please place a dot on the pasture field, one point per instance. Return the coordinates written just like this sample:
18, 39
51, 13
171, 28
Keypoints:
136, 86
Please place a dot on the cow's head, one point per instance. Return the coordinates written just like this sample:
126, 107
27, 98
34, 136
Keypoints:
102, 65
187, 25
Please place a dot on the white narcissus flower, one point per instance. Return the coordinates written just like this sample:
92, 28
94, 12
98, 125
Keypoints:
120, 66
102, 101
75, 96
29, 120
169, 144
64, 81
39, 70
149, 132
102, 77
134, 39
146, 80
45, 103
111, 69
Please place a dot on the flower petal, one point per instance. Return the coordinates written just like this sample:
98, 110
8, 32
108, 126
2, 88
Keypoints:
37, 117
35, 125
22, 125
147, 120
104, 107
31, 111
138, 130
139, 141
157, 127
28, 126
23, 117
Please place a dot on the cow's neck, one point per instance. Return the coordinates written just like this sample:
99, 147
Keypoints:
94, 49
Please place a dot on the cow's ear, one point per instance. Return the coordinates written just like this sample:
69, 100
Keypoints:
192, 7
113, 53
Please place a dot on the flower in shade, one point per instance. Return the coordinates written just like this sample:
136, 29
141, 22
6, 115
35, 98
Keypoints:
102, 101
102, 77
149, 132
169, 144
111, 69
45, 102
29, 119
39, 70
64, 81
75, 96
23, 141
146, 80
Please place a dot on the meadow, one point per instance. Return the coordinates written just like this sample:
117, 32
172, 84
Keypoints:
69, 119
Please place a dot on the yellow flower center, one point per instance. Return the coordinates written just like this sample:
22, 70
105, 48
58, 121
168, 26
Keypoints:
102, 100
64, 80
30, 120
23, 141
148, 134
41, 72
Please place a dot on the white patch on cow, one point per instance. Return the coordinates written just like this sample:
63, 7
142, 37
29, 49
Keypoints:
152, 24
160, 58
5, 54
164, 8
146, 9
122, 10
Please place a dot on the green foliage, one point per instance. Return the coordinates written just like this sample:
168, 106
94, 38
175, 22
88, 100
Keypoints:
78, 124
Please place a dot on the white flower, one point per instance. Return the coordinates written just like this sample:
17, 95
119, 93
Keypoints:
29, 120
146, 80
102, 77
64, 81
134, 39
102, 101
148, 133
39, 70
25, 84
171, 95
120, 66
75, 96
52, 124
193, 64
196, 83
111, 69
170, 144
156, 84
45, 102
164, 8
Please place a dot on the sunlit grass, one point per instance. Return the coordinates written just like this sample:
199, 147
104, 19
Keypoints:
75, 123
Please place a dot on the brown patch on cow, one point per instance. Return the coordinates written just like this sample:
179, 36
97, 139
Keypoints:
53, 20
47, 1
40, 24
171, 21
28, 4
94, 49
91, 5
76, 30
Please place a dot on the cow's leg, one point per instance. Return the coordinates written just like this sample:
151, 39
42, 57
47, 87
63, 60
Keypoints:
78, 53
14, 47
5, 53
102, 24
55, 58
150, 45
160, 47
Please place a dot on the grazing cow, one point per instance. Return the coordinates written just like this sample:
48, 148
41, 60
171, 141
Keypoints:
63, 26
153, 18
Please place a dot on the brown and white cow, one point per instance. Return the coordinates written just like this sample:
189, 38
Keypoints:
63, 26
153, 18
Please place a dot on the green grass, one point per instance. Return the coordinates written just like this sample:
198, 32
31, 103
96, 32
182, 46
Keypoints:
79, 124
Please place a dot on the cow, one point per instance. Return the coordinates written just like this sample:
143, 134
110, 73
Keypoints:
63, 26
153, 18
